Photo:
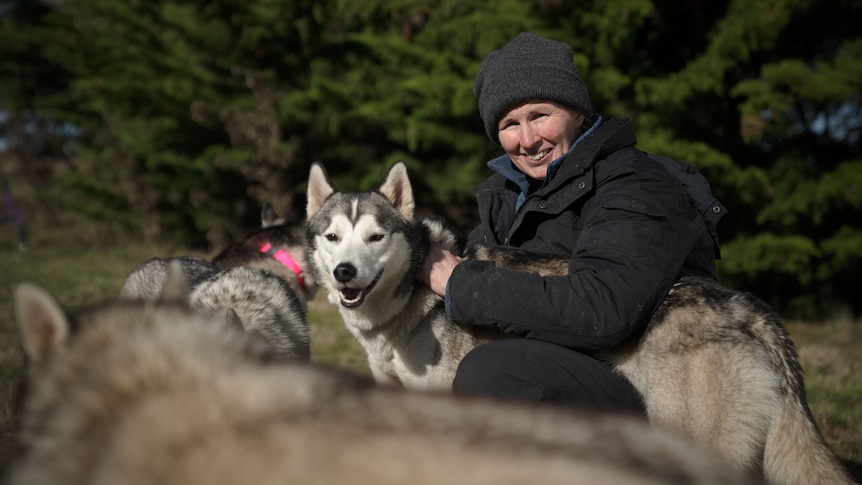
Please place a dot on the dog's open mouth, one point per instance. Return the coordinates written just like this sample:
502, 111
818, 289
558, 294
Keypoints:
353, 297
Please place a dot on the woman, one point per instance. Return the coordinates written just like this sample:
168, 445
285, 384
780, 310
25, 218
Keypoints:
570, 185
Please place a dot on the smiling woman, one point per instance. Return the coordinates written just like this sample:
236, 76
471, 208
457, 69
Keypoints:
571, 186
535, 134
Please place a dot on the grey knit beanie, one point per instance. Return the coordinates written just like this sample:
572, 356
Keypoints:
528, 68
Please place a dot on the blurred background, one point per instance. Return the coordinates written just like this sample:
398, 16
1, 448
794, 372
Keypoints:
172, 122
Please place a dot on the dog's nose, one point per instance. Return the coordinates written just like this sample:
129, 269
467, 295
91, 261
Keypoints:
344, 272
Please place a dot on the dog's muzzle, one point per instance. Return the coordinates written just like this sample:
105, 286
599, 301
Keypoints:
352, 297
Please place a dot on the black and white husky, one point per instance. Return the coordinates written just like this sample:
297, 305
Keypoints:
713, 364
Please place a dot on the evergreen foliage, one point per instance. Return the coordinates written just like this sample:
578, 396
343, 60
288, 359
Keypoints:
178, 118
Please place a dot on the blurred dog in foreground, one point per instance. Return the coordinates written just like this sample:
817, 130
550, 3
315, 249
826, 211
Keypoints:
714, 364
259, 283
142, 392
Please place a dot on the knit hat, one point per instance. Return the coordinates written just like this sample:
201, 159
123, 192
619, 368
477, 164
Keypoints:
528, 68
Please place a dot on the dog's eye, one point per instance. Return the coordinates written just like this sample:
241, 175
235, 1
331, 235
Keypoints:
331, 237
376, 237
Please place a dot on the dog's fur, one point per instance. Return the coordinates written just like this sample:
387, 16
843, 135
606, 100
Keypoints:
142, 392
249, 287
714, 364
147, 280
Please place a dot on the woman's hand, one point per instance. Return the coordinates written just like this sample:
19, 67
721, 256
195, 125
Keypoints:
437, 268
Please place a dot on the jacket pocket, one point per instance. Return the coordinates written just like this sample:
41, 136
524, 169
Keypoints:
635, 206
628, 227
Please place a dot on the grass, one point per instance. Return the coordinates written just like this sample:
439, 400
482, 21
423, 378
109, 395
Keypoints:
89, 268
829, 353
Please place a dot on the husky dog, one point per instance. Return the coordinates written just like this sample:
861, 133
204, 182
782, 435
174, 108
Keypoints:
140, 392
257, 284
277, 247
713, 364
364, 249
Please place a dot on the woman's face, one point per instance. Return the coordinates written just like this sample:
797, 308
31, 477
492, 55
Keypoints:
536, 133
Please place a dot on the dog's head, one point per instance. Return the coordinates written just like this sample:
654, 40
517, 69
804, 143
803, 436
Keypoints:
363, 245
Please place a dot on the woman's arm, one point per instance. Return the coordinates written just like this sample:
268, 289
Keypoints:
637, 232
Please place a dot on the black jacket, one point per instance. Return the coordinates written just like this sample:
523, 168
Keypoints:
625, 224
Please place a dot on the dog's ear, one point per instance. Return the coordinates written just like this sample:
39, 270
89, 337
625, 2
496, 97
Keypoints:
42, 324
269, 217
319, 188
396, 188
232, 319
176, 290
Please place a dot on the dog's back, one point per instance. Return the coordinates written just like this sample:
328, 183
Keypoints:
140, 392
148, 279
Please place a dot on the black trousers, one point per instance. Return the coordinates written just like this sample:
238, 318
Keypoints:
532, 370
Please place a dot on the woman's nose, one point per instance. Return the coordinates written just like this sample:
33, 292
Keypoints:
529, 136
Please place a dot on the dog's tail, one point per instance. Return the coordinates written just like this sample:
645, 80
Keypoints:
795, 451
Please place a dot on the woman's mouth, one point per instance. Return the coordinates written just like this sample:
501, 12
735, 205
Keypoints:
538, 157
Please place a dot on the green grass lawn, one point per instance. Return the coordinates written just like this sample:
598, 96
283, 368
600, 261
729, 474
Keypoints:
79, 274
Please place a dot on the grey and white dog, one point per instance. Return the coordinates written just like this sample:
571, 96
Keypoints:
713, 364
260, 283
139, 392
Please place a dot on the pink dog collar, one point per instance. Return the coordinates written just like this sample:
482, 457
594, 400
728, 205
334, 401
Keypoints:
282, 257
